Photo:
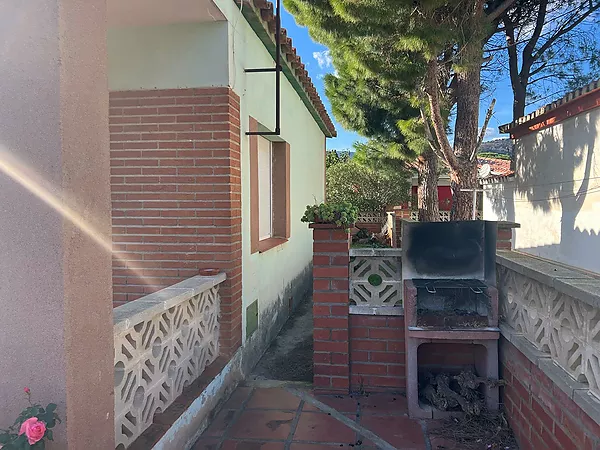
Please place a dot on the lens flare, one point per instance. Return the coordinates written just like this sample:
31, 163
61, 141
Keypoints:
43, 190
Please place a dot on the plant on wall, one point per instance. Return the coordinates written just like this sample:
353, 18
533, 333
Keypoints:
32, 427
342, 214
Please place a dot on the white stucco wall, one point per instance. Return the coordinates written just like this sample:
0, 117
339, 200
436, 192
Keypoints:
555, 195
267, 275
168, 56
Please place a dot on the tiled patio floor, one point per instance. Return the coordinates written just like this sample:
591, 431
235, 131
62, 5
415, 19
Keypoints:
275, 419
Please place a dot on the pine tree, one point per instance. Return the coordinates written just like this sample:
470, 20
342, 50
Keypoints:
433, 46
382, 111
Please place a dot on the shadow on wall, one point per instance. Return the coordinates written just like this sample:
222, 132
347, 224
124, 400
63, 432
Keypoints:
553, 169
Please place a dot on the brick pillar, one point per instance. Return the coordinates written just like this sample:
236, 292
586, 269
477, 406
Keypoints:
400, 215
330, 308
505, 234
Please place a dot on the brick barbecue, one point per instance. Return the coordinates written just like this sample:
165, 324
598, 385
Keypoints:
450, 299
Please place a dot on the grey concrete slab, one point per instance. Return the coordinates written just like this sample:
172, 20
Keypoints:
588, 402
560, 377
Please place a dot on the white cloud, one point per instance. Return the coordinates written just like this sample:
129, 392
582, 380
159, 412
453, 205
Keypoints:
323, 58
491, 133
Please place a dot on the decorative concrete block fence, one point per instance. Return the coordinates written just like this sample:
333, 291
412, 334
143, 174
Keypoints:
163, 342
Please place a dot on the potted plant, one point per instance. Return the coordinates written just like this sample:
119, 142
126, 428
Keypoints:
32, 428
343, 214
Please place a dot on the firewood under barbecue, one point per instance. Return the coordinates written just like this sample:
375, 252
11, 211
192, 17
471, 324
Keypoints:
447, 392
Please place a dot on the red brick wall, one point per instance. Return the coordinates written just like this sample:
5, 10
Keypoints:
377, 358
330, 309
504, 239
176, 191
539, 412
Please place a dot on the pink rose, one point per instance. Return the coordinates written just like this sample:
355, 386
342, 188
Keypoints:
33, 429
27, 391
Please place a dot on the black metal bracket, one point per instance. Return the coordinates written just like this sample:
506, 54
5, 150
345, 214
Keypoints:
266, 69
277, 70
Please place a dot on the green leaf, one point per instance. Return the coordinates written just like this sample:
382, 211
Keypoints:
5, 438
51, 407
50, 435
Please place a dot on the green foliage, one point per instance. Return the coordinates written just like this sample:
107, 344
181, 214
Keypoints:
494, 155
11, 440
336, 156
342, 214
366, 188
563, 54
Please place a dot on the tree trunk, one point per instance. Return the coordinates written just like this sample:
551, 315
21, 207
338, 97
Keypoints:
463, 178
463, 174
520, 96
427, 192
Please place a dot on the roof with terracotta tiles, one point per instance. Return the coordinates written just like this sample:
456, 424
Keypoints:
500, 167
568, 98
292, 65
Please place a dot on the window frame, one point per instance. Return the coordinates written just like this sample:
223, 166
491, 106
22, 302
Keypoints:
280, 192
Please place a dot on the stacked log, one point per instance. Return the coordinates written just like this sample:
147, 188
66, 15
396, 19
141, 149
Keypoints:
447, 392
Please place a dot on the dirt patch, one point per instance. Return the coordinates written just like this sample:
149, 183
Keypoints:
290, 356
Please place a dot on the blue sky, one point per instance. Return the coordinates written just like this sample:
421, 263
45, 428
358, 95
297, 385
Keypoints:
315, 57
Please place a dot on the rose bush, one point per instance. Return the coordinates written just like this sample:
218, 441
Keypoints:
34, 427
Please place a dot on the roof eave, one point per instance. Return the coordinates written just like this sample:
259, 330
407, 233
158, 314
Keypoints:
291, 65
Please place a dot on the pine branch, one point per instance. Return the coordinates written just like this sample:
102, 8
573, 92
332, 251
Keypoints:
527, 54
564, 30
488, 116
501, 9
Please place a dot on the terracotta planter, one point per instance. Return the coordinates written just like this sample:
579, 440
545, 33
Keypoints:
209, 272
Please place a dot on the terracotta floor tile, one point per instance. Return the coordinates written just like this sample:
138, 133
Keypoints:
237, 398
252, 445
386, 404
401, 432
219, 424
343, 404
258, 424
206, 444
274, 398
441, 443
321, 427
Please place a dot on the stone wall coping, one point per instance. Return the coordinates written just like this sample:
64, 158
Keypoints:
364, 310
325, 226
132, 313
376, 252
569, 281
576, 391
508, 225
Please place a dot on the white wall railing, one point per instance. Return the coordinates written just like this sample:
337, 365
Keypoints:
371, 217
556, 309
376, 280
444, 216
163, 342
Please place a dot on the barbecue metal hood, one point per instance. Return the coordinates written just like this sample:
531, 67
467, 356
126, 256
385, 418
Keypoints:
463, 250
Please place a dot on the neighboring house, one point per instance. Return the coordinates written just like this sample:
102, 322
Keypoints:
496, 159
190, 189
555, 192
